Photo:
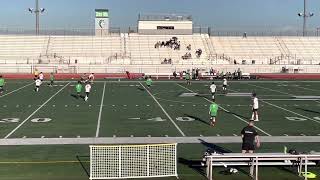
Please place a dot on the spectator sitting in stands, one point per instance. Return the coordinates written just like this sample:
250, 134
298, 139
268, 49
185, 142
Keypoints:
189, 47
174, 74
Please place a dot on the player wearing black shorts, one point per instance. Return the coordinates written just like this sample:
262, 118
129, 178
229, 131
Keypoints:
249, 137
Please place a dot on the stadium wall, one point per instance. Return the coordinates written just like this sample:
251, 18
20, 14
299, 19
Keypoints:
156, 69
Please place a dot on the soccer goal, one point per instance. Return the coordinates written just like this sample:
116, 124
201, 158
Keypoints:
133, 161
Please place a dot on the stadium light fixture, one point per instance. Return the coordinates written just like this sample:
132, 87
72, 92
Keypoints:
37, 11
305, 15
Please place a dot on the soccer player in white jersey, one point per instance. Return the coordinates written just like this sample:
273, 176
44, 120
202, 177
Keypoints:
38, 83
87, 89
224, 85
255, 107
213, 89
91, 78
41, 76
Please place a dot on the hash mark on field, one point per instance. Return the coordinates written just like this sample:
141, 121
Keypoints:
78, 105
235, 135
4, 106
171, 105
17, 105
137, 105
148, 105
53, 105
65, 105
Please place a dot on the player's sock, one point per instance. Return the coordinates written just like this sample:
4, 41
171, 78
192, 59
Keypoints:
252, 116
86, 98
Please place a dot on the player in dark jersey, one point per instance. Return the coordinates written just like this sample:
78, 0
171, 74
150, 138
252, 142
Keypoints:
249, 137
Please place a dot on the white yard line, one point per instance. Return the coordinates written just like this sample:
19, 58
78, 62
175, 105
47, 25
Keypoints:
283, 92
241, 119
271, 89
100, 112
16, 90
290, 111
165, 112
15, 129
284, 109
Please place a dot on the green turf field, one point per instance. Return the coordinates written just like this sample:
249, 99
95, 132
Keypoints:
129, 109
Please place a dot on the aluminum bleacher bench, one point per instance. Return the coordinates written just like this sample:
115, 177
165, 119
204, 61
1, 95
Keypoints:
261, 159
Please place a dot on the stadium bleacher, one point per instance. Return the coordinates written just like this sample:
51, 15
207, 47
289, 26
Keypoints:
139, 50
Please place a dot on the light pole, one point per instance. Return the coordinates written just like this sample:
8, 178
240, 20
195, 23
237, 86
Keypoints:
37, 11
305, 15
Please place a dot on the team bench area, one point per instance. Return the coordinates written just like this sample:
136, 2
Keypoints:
302, 161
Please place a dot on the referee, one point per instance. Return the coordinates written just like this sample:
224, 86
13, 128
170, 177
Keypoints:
249, 137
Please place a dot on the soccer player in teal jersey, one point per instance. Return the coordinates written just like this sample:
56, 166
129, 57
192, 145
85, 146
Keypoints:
188, 78
51, 79
213, 111
79, 89
149, 82
1, 84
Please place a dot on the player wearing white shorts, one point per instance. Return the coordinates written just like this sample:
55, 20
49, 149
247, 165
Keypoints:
91, 78
255, 107
213, 89
224, 85
41, 76
38, 84
87, 89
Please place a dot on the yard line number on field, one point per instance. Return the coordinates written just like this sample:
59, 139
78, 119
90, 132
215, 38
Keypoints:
165, 112
15, 129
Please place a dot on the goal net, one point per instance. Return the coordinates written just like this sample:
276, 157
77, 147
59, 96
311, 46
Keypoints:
133, 161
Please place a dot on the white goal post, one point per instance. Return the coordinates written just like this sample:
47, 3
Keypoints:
133, 161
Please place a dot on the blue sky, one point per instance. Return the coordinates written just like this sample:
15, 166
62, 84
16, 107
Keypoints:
219, 14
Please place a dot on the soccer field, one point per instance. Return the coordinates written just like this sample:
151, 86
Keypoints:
128, 112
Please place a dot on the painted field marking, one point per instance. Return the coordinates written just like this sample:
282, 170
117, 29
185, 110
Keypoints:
100, 111
315, 120
284, 109
15, 90
34, 112
270, 89
241, 119
165, 112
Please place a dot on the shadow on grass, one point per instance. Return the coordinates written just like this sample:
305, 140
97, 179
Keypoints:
141, 89
198, 119
83, 160
219, 149
308, 110
77, 97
